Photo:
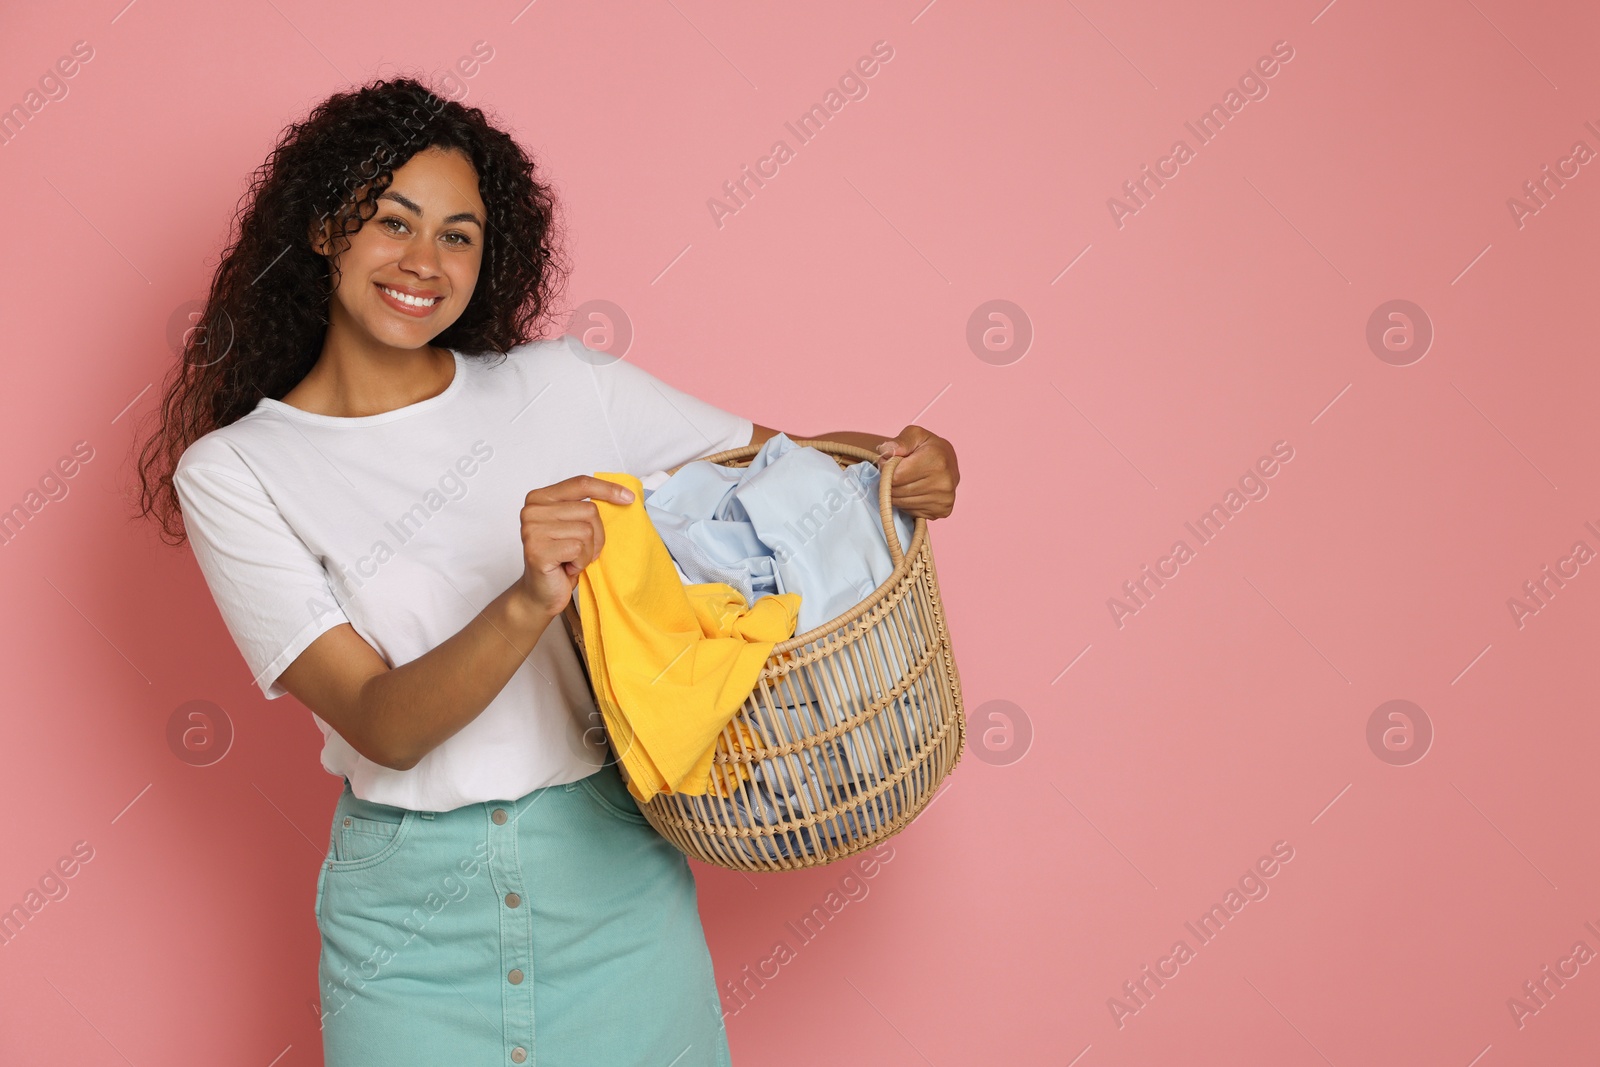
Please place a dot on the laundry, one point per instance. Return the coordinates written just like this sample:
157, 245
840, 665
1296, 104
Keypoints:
794, 521
790, 521
671, 663
806, 784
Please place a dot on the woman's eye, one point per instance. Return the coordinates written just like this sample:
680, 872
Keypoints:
455, 237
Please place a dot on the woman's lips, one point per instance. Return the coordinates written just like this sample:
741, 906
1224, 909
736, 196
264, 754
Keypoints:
416, 311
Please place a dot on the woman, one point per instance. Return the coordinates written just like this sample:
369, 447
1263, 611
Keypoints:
389, 525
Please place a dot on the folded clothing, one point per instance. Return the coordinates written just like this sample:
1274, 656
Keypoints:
671, 663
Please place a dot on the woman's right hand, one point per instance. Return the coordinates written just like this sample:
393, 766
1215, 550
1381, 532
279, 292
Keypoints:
561, 535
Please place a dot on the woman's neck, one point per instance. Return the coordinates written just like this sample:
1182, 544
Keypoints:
351, 382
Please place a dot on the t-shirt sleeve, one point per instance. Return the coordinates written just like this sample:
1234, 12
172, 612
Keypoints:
656, 426
272, 591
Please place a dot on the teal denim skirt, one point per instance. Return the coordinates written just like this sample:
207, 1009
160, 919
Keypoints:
554, 930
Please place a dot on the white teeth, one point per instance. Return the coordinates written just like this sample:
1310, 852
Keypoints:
414, 301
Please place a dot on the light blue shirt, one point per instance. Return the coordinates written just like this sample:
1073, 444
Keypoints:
792, 521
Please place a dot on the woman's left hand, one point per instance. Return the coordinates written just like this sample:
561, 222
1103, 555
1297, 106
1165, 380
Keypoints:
924, 483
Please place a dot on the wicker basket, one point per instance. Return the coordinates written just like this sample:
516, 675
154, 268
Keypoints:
857, 721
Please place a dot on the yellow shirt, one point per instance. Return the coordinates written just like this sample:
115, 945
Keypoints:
671, 663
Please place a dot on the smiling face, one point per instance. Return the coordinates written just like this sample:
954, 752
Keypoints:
409, 272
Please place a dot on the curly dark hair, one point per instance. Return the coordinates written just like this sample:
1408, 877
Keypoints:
267, 309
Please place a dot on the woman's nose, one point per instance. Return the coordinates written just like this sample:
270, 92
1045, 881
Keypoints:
421, 258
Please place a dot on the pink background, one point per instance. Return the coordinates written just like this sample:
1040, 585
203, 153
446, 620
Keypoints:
1229, 313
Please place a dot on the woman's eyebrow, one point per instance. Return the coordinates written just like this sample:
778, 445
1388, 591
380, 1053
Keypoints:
405, 202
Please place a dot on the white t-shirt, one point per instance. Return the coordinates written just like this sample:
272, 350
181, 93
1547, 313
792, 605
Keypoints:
405, 525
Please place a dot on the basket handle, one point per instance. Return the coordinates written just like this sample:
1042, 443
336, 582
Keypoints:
886, 510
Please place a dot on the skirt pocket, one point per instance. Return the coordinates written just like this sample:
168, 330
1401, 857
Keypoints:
610, 793
366, 834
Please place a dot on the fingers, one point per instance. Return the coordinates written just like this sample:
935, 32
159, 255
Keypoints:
559, 555
561, 511
579, 487
562, 533
553, 543
929, 467
561, 527
914, 437
916, 477
929, 507
928, 493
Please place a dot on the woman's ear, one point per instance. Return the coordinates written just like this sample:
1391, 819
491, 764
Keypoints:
318, 234
325, 233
